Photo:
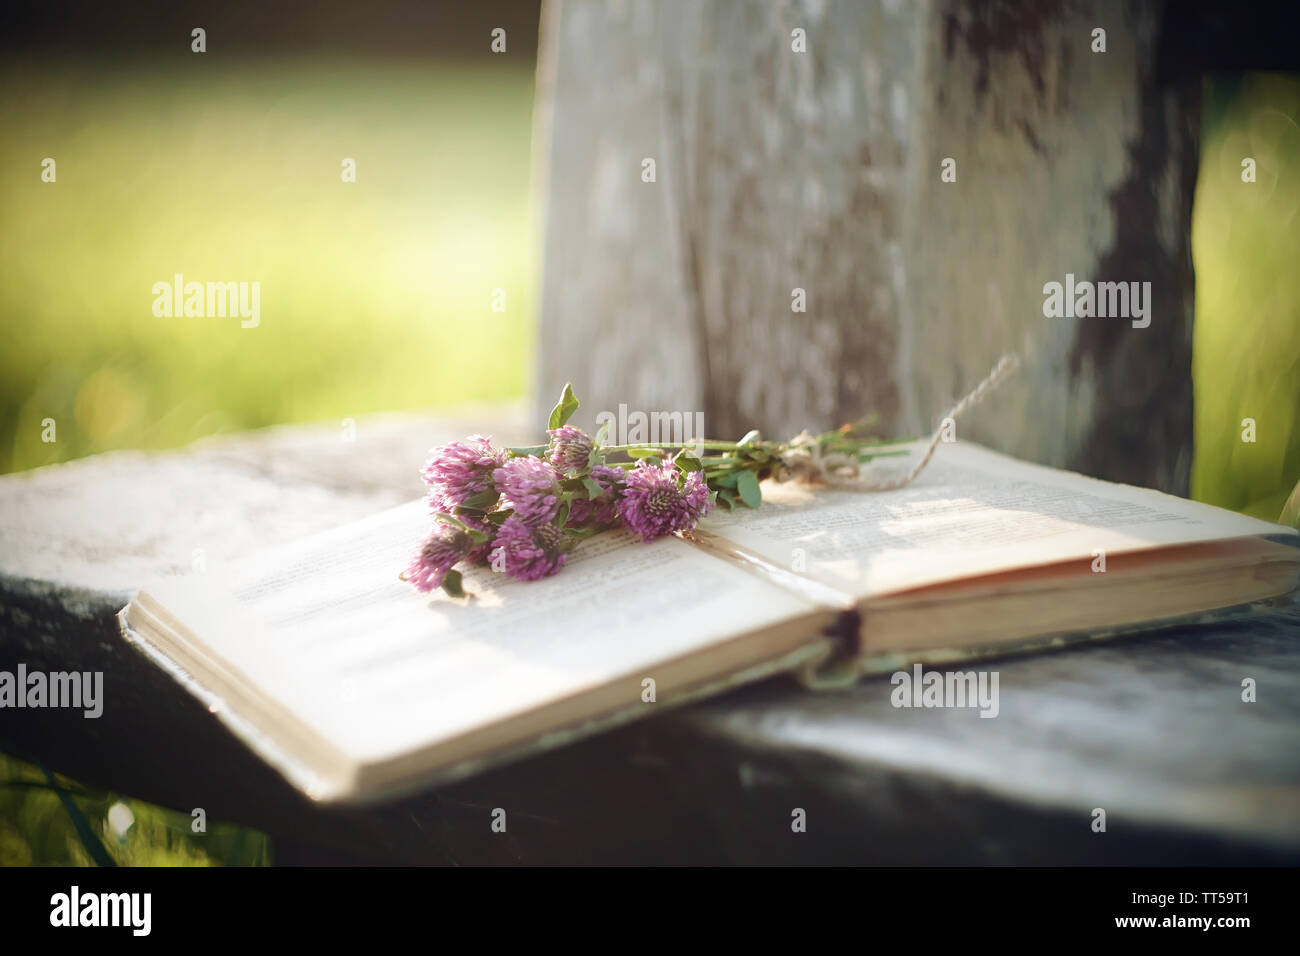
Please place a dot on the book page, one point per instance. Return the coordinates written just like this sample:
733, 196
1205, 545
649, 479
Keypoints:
972, 511
325, 628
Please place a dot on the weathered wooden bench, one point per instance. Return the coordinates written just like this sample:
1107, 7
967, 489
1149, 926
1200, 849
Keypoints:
1152, 729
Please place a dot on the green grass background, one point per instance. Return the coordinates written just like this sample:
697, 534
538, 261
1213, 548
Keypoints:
1246, 247
374, 295
377, 295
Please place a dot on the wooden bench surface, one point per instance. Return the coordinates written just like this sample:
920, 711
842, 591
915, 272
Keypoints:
1152, 729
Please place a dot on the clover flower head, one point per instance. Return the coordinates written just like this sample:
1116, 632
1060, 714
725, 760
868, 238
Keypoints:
457, 472
445, 545
531, 487
526, 552
570, 448
657, 500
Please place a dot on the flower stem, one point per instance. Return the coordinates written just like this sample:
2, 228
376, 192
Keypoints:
714, 444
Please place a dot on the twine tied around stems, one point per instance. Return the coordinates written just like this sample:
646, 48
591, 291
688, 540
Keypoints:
806, 461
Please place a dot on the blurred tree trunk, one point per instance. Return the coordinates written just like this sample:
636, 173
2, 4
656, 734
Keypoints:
777, 170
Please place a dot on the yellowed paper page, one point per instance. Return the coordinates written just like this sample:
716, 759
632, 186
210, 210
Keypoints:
972, 511
326, 630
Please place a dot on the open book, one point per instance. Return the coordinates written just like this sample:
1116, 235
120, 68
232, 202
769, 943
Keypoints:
356, 687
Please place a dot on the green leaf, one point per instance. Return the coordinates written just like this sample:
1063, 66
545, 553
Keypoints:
523, 451
643, 452
750, 436
728, 498
688, 463
448, 519
728, 480
499, 517
481, 501
747, 485
602, 434
563, 515
593, 489
451, 583
564, 408
475, 535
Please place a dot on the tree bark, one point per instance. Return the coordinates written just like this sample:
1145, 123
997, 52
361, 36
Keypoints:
778, 170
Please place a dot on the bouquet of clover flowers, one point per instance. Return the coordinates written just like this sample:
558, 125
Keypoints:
521, 510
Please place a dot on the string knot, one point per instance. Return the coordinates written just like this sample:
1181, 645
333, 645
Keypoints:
805, 460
